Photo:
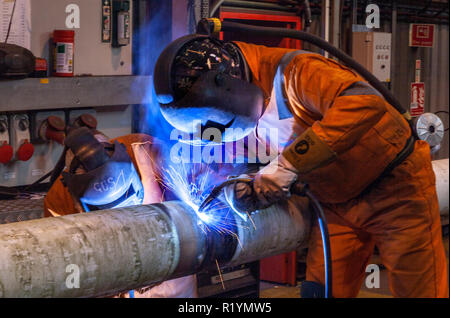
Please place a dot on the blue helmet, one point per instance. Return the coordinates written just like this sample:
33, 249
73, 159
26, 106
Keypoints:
110, 179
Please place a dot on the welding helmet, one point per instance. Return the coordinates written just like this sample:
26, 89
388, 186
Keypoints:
201, 82
101, 175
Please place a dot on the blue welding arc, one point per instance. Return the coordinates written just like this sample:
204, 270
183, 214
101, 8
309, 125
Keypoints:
218, 189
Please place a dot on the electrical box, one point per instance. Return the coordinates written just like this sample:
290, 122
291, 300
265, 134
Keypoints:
373, 50
30, 138
121, 23
112, 121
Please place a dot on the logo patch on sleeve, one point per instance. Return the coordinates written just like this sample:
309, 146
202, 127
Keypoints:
302, 147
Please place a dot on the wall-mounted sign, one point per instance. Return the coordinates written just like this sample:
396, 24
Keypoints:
418, 67
417, 99
20, 32
421, 35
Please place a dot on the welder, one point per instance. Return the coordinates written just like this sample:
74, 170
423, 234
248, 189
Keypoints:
338, 135
105, 174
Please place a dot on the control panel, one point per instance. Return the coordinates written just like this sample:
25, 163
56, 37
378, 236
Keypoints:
373, 50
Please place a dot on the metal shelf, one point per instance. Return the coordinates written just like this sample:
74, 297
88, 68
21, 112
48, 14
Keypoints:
73, 92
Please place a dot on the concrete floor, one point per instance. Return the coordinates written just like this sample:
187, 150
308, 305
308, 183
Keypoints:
269, 290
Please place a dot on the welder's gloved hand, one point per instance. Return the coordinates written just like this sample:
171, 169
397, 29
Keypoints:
270, 185
273, 183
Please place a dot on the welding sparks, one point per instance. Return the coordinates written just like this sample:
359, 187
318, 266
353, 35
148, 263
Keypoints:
220, 275
192, 185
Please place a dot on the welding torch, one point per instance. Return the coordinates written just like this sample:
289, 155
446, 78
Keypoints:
218, 189
297, 188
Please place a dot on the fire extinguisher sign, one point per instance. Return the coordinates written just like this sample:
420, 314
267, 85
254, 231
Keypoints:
417, 99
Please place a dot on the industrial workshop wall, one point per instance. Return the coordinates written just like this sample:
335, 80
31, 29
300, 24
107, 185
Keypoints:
102, 84
92, 56
434, 67
434, 73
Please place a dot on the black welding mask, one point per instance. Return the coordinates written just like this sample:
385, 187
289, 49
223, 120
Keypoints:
202, 83
108, 180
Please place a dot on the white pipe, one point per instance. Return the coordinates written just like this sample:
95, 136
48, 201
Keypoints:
440, 168
336, 23
327, 23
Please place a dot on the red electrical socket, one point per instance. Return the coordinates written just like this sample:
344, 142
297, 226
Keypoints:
25, 151
53, 128
6, 153
6, 150
86, 120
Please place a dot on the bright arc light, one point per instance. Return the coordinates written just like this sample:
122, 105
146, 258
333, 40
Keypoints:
192, 185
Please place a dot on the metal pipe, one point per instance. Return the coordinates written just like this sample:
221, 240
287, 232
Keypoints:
440, 168
307, 16
354, 12
336, 23
326, 24
128, 248
215, 6
393, 76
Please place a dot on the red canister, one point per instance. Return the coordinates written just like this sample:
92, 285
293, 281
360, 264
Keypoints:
64, 42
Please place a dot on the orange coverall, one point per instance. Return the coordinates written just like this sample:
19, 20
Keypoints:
356, 136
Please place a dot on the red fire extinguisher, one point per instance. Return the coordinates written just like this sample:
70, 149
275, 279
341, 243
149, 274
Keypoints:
64, 47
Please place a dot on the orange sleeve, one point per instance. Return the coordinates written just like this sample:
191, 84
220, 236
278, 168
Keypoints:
262, 62
58, 201
339, 105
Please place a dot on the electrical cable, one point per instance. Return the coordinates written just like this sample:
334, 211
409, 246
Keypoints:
40, 180
215, 7
10, 21
8, 192
53, 174
319, 42
442, 111
325, 243
302, 190
14, 192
